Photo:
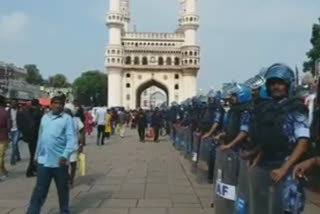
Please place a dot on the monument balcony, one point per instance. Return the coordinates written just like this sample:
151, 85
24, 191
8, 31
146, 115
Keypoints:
154, 36
153, 67
114, 18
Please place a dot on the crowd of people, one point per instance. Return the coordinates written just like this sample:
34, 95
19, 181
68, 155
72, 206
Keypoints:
115, 121
267, 125
264, 125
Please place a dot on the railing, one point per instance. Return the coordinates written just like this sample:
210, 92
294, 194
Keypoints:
161, 36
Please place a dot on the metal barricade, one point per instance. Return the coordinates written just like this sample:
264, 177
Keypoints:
266, 197
242, 205
226, 179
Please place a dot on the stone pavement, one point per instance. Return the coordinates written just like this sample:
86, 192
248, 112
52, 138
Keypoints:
123, 177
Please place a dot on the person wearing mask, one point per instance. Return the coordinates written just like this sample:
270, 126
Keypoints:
30, 131
281, 134
100, 121
156, 123
14, 131
142, 125
57, 141
4, 139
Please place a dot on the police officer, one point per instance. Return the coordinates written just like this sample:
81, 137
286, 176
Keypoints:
280, 130
236, 133
214, 119
238, 118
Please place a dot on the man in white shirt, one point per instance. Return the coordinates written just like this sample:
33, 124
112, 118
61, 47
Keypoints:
14, 132
101, 124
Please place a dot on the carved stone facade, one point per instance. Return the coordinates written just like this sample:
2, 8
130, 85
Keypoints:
136, 61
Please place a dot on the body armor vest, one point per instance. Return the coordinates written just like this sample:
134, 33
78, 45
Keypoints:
233, 121
267, 126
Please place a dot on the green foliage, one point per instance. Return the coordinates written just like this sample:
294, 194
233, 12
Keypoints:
90, 88
314, 53
58, 81
33, 74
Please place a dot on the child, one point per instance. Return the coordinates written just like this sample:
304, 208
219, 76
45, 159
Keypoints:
79, 129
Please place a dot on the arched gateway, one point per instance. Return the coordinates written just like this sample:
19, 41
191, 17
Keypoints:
136, 61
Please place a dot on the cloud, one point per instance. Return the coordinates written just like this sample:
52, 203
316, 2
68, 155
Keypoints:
13, 25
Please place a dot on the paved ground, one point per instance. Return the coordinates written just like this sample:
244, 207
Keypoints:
124, 177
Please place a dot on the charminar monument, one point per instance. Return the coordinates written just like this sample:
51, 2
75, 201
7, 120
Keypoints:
136, 61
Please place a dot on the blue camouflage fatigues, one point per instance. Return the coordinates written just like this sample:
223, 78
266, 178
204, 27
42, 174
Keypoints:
295, 127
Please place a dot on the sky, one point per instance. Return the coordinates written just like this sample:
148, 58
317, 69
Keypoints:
237, 37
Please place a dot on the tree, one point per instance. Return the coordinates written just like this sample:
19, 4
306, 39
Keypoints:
58, 81
91, 88
314, 53
33, 74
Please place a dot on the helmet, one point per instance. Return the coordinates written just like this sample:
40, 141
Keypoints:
263, 94
242, 92
211, 94
283, 72
257, 82
174, 103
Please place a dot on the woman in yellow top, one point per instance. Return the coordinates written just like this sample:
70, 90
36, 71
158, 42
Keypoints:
108, 124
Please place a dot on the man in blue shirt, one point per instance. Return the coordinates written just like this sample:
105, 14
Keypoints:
56, 142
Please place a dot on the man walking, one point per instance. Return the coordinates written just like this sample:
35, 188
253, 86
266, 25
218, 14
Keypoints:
142, 125
14, 132
156, 123
101, 122
57, 140
30, 132
4, 139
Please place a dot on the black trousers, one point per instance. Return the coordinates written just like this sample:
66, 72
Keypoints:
142, 132
156, 130
32, 150
101, 134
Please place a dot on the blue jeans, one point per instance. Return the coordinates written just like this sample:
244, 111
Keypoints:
40, 192
15, 155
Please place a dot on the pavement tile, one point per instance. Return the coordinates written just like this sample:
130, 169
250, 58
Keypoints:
128, 195
311, 209
148, 211
5, 210
108, 211
13, 203
158, 203
86, 202
186, 211
119, 203
185, 198
186, 205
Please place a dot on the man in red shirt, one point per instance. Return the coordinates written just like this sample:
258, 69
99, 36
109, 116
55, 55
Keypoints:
4, 139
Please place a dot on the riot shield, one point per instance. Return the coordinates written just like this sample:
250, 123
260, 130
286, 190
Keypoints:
266, 197
204, 153
242, 205
226, 179
195, 147
186, 142
177, 142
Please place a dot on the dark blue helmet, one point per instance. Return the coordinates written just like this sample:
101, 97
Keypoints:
283, 72
242, 92
263, 94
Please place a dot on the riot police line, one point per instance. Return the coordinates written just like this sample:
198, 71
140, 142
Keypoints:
251, 140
